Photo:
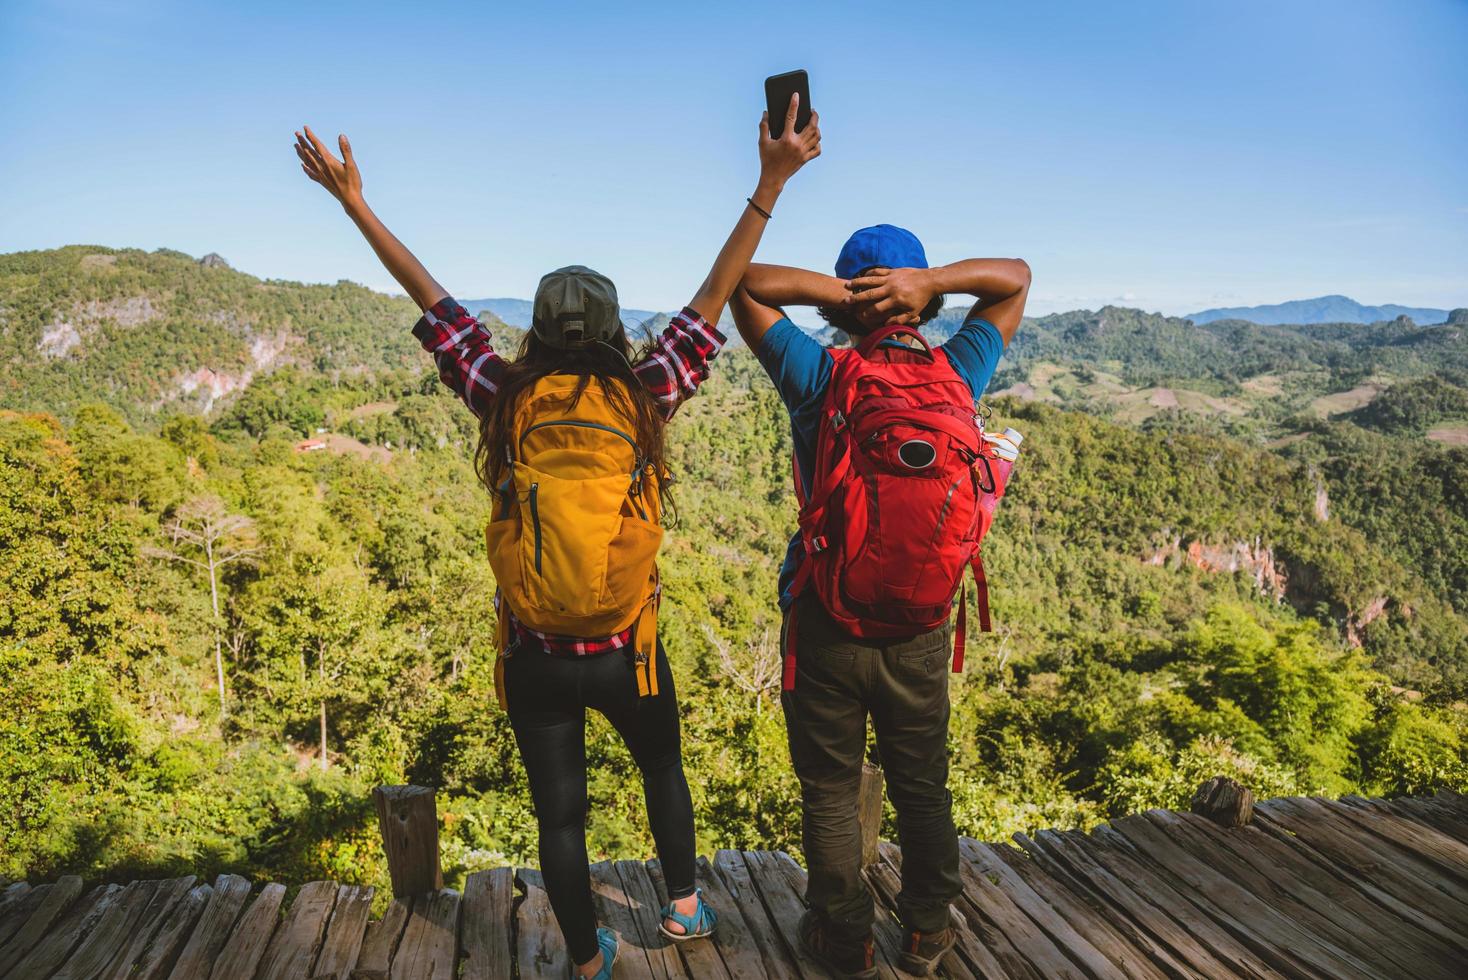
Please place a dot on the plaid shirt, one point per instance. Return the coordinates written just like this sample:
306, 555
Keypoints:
672, 369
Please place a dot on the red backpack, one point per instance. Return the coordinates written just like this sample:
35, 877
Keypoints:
902, 492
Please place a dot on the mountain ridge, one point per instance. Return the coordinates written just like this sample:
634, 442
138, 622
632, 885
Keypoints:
1334, 308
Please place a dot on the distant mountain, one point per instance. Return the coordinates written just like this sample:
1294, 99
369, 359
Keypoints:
517, 312
639, 323
1322, 309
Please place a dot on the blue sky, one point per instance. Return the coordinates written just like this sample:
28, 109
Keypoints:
1169, 155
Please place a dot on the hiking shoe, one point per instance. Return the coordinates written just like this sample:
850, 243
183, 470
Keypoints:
852, 960
922, 950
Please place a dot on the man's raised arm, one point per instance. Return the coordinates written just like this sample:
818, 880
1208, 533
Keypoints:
766, 288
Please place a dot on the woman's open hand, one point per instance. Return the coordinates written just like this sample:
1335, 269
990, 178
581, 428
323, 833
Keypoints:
780, 158
340, 177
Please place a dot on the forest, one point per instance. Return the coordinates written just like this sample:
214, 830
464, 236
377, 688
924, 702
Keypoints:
242, 579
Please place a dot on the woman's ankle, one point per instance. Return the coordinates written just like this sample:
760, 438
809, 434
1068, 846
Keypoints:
687, 905
591, 967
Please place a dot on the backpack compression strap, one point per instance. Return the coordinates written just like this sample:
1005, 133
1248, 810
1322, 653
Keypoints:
981, 595
645, 647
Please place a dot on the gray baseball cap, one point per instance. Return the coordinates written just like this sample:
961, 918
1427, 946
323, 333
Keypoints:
575, 306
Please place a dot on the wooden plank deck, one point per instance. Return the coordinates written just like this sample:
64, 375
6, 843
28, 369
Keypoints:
1312, 888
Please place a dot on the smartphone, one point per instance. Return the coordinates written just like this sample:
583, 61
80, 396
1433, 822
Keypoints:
778, 89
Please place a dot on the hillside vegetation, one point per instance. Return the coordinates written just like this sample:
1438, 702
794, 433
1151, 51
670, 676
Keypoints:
1171, 601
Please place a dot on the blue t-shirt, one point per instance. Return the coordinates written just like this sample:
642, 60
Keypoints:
801, 369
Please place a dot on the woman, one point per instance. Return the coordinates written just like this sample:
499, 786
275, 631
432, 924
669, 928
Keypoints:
574, 400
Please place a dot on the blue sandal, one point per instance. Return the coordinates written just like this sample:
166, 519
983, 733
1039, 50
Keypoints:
696, 926
606, 941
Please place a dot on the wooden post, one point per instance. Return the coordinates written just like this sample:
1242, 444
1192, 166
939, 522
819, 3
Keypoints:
1224, 802
408, 818
869, 812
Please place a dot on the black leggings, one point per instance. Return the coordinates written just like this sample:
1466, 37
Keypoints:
548, 697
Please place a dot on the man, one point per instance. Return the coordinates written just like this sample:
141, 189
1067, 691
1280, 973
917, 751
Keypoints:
882, 278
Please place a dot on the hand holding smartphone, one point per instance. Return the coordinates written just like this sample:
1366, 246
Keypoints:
778, 89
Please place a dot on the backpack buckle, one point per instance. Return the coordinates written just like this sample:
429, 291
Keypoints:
838, 421
816, 544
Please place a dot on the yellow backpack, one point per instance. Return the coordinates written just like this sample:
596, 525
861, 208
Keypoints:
575, 535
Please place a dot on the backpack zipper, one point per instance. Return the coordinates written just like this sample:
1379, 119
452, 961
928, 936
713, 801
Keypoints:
943, 512
584, 425
535, 520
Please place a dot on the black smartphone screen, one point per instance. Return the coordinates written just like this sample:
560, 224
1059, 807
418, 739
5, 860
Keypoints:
778, 89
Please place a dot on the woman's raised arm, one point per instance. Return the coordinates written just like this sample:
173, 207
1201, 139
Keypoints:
779, 160
344, 181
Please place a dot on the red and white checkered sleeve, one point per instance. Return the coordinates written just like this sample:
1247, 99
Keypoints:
461, 348
678, 361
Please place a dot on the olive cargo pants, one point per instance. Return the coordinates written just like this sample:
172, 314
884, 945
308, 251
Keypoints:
903, 685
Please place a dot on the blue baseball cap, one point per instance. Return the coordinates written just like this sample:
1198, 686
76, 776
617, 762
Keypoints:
883, 245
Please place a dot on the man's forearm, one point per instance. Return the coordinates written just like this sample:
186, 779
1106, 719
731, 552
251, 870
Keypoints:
987, 279
395, 257
1001, 285
783, 285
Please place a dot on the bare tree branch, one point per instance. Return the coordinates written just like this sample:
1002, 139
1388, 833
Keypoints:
206, 535
756, 671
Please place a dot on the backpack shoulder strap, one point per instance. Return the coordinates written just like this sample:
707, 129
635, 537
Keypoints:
892, 331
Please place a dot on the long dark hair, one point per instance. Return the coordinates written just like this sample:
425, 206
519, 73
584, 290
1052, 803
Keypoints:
607, 364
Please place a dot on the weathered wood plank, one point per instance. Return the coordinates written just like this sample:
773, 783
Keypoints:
1236, 908
1381, 889
1347, 848
489, 924
1339, 819
152, 918
885, 877
407, 816
64, 936
734, 938
1025, 950
344, 933
1066, 938
869, 811
208, 937
1190, 936
1426, 842
20, 910
780, 963
241, 953
1135, 952
10, 900
1349, 900
296, 939
540, 949
609, 899
645, 902
159, 956
1390, 949
52, 905
374, 960
430, 945
108, 937
1430, 811
1107, 845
